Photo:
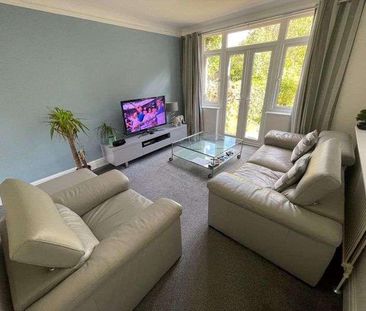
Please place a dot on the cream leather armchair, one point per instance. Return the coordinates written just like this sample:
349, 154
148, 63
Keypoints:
86, 242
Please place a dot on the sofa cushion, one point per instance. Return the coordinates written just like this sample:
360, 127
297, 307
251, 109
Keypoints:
282, 139
294, 174
118, 210
304, 145
37, 233
322, 176
275, 206
259, 175
84, 196
274, 158
85, 235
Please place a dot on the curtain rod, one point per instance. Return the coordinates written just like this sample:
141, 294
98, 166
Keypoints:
269, 18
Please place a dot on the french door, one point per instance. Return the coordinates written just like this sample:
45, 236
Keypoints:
246, 90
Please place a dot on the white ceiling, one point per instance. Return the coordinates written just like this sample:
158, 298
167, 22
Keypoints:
162, 16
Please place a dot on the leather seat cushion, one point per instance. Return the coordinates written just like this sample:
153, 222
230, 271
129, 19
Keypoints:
274, 158
259, 175
118, 210
83, 232
276, 207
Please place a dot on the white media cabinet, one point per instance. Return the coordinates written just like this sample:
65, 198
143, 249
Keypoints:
137, 146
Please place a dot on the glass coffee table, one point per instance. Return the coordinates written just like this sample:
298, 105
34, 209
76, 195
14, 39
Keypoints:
207, 150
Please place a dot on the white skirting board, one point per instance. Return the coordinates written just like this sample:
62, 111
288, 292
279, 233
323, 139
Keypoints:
176, 132
94, 165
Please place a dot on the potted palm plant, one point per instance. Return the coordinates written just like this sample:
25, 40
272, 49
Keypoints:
361, 120
107, 133
67, 126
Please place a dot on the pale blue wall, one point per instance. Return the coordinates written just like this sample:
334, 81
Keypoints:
49, 60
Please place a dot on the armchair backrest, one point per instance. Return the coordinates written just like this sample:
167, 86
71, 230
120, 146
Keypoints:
88, 194
37, 232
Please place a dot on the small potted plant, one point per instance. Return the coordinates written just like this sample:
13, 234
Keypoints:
67, 126
107, 133
361, 120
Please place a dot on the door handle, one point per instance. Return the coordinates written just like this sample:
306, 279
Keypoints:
247, 100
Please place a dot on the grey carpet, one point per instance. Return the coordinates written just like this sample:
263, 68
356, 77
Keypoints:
215, 272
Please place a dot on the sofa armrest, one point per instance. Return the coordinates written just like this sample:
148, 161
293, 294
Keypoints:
113, 256
276, 207
88, 194
345, 143
167, 204
281, 139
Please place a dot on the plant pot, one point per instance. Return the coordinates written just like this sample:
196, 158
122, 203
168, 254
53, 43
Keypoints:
361, 125
111, 139
87, 166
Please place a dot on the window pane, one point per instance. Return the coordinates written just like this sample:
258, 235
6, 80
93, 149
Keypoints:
233, 93
258, 88
212, 81
291, 73
299, 27
253, 36
213, 42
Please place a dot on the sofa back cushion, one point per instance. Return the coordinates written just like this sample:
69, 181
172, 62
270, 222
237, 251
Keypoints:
37, 233
285, 140
323, 175
83, 197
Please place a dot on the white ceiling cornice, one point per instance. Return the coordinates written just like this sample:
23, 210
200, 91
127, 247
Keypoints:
250, 15
125, 22
172, 19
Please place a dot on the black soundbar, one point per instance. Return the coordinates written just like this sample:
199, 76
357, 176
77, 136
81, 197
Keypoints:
155, 140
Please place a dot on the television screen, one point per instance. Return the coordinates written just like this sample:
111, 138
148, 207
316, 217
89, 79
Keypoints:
143, 114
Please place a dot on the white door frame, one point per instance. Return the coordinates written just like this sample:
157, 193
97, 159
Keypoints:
248, 53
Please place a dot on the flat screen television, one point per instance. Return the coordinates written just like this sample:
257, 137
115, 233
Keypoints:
144, 114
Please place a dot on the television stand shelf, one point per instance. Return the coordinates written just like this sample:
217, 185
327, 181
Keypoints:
137, 146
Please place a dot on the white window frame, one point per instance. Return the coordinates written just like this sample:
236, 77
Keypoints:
279, 46
206, 54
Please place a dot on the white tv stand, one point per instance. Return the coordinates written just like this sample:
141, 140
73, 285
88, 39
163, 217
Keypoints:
137, 146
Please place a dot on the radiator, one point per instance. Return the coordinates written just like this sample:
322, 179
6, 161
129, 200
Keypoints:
354, 233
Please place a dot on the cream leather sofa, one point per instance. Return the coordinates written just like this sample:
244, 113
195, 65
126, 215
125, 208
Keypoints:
91, 243
298, 229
